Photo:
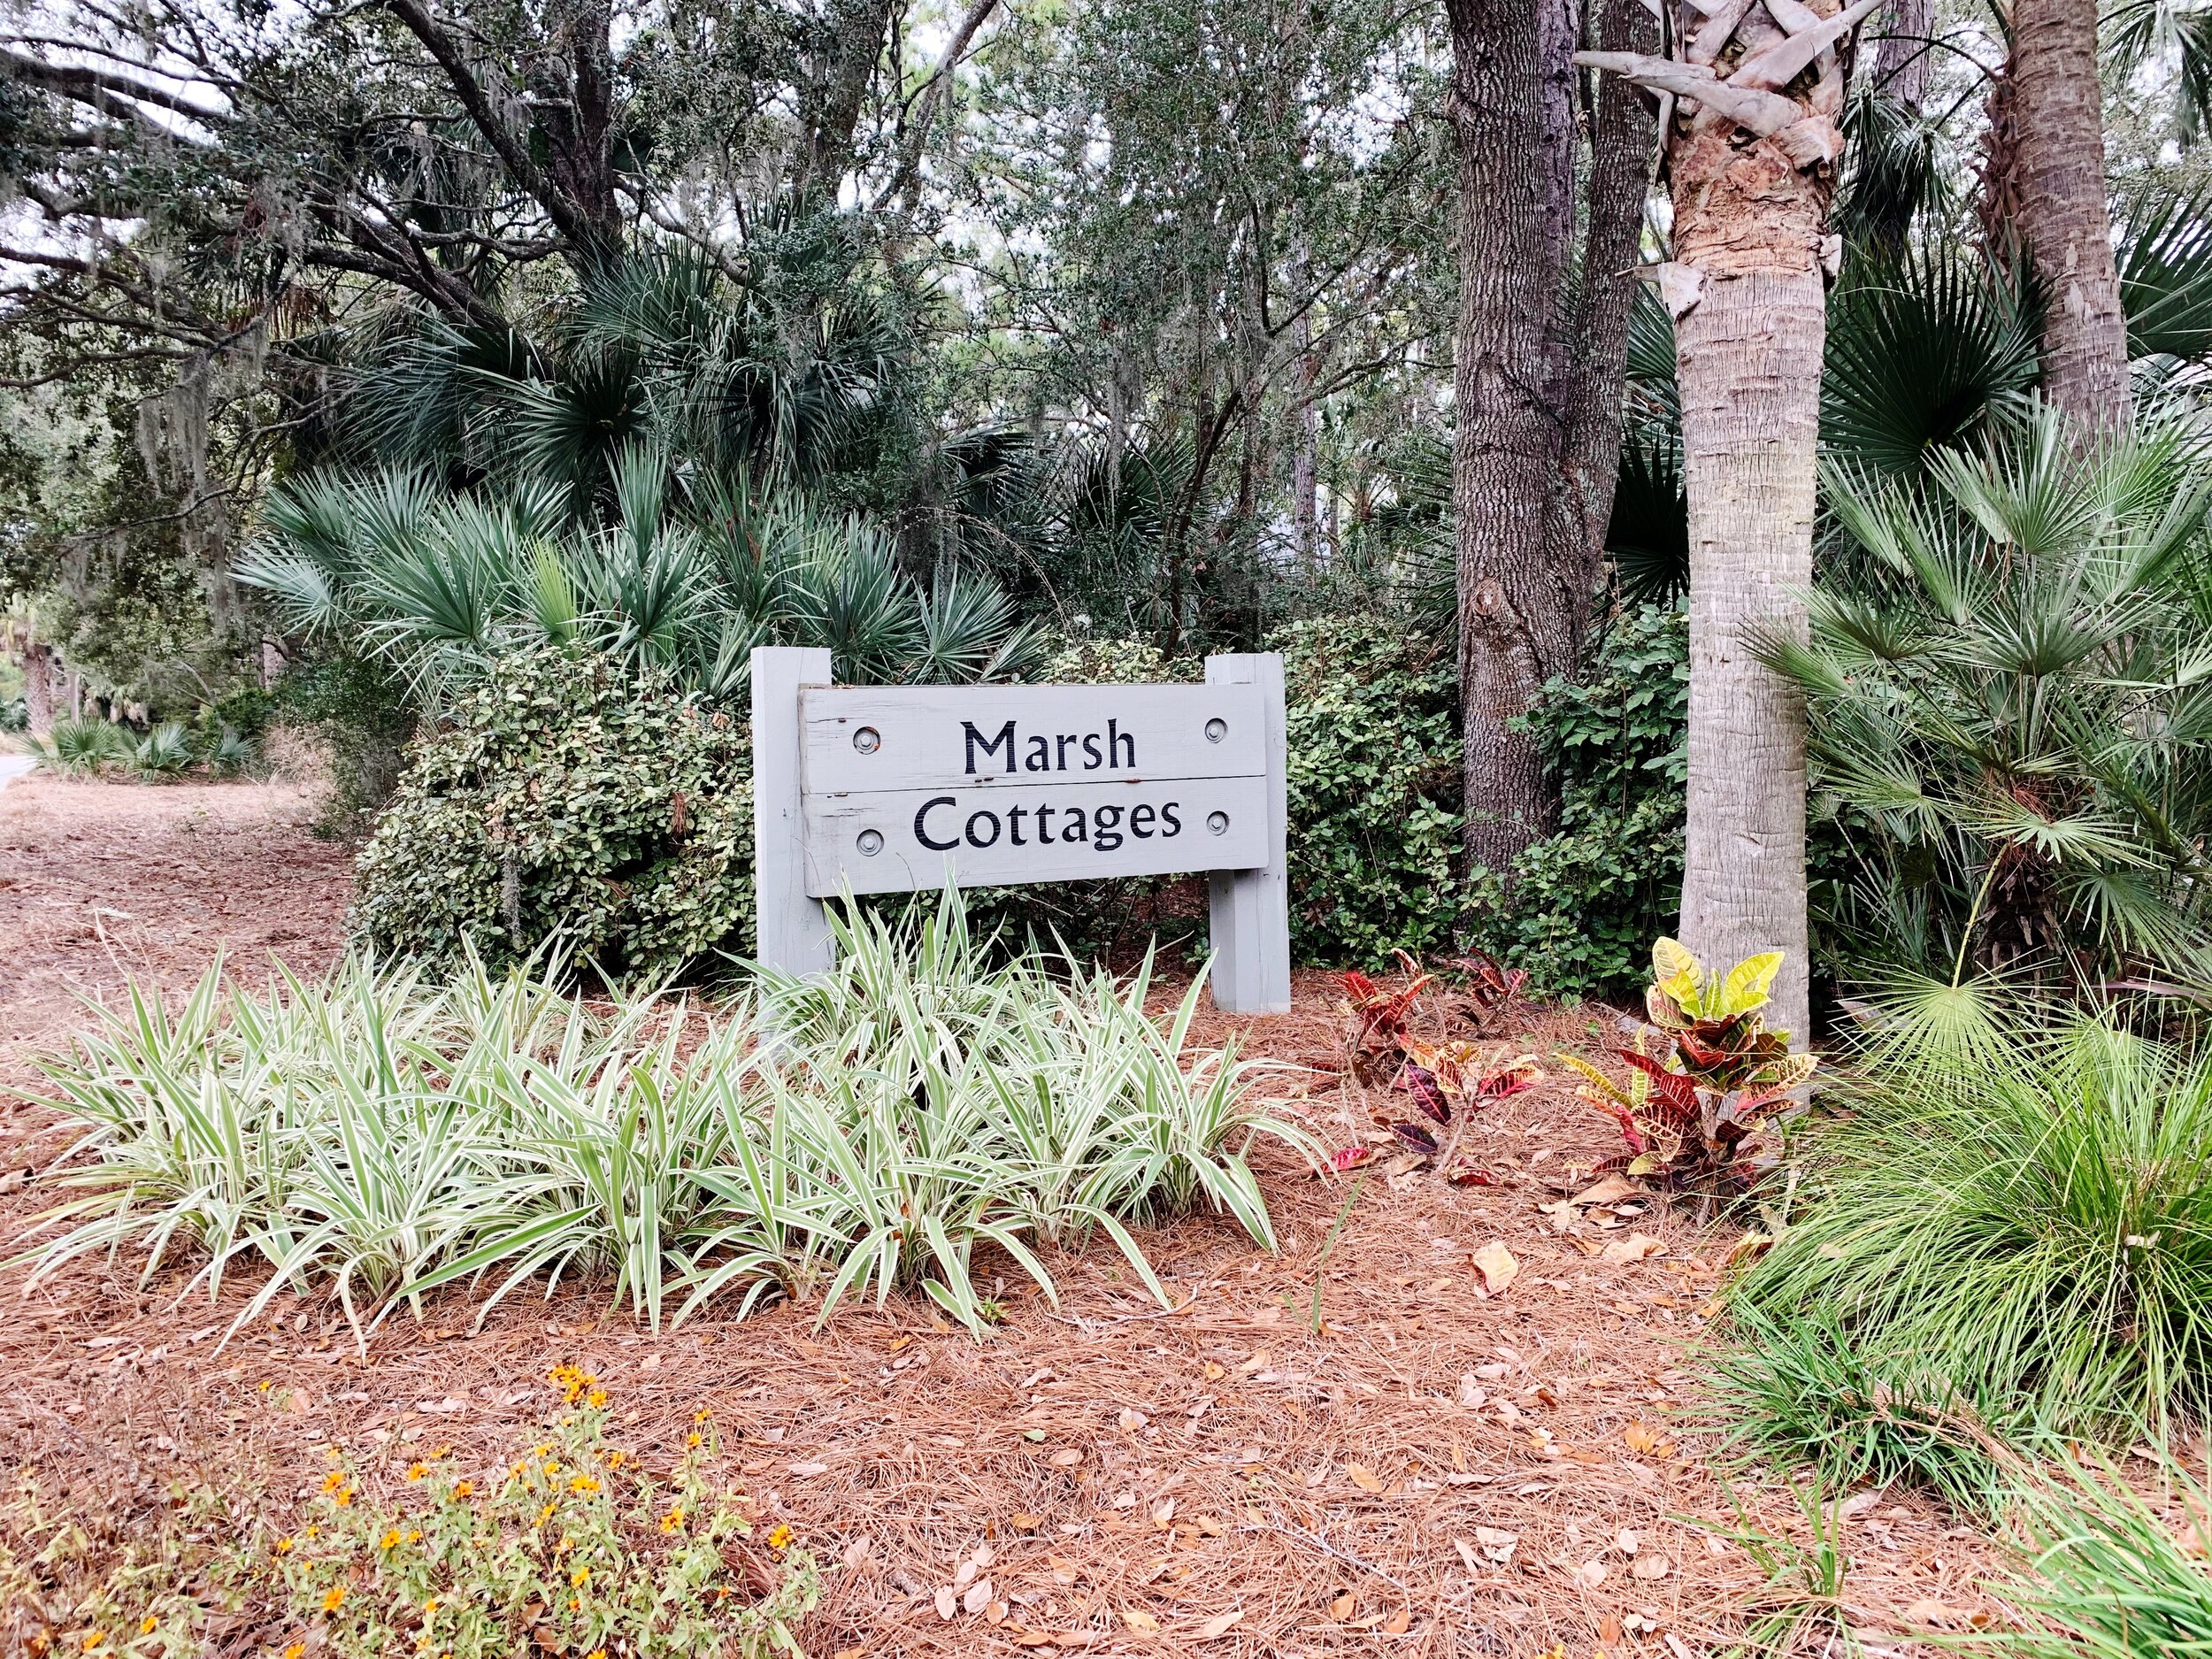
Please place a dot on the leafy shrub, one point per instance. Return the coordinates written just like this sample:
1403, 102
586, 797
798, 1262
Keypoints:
567, 798
378, 1136
164, 752
1692, 1111
1373, 756
2031, 1220
356, 709
83, 747
1587, 899
573, 1547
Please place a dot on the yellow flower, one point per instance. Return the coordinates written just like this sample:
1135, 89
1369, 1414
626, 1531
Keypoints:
333, 1598
596, 1653
390, 1540
342, 1497
312, 1531
552, 1469
430, 1607
780, 1539
94, 1640
414, 1535
416, 1471
673, 1519
296, 1650
436, 1452
284, 1546
616, 1458
577, 1577
148, 1626
596, 1399
691, 1439
334, 1479
462, 1488
583, 1483
544, 1515
701, 1414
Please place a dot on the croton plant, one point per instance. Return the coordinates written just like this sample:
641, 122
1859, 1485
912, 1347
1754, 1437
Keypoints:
1705, 1076
1446, 1081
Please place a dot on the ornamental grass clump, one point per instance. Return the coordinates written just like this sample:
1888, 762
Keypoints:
572, 1547
2030, 1221
380, 1136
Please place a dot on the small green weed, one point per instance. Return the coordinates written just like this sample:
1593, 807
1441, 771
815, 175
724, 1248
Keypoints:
1800, 1610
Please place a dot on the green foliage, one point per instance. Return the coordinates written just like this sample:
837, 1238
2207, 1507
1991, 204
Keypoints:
1373, 756
568, 799
574, 1548
356, 709
687, 575
1802, 1607
165, 752
1692, 1111
83, 747
2102, 1573
376, 1137
2008, 734
1589, 900
1800, 1389
2030, 1220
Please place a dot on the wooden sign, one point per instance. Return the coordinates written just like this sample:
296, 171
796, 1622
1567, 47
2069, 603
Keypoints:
901, 789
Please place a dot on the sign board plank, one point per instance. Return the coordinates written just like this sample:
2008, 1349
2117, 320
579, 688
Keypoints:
915, 840
872, 738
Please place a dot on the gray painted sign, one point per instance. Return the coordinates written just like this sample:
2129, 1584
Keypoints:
899, 789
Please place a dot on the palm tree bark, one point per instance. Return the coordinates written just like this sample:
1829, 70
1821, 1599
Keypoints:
2063, 216
1752, 172
1538, 389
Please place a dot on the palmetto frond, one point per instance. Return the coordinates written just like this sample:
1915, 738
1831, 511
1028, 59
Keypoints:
2008, 713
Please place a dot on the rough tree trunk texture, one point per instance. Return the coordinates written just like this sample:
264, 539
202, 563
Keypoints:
1749, 221
2065, 220
1903, 59
1621, 132
854, 34
1522, 609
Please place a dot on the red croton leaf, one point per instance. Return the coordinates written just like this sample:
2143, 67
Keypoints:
1422, 1086
1419, 1139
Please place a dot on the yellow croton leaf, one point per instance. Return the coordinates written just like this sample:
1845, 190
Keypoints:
1746, 986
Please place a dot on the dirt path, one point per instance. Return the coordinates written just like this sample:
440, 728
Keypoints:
1436, 1472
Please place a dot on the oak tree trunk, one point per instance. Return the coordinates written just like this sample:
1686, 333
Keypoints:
2063, 216
1537, 386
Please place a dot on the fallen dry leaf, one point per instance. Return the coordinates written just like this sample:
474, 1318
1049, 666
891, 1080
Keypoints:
1137, 1619
1131, 1420
1651, 1567
1066, 1457
1343, 1608
1611, 1190
1398, 1623
1219, 1627
1636, 1247
978, 1598
1365, 1478
1496, 1544
1641, 1437
948, 1601
1497, 1266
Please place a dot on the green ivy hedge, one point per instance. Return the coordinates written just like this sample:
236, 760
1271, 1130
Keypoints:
567, 799
1589, 900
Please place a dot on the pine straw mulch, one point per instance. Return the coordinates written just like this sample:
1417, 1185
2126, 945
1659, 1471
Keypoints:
1219, 1479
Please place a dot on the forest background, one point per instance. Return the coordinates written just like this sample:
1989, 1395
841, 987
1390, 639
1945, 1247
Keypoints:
353, 352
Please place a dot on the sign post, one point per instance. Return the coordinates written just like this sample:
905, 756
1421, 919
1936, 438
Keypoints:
902, 788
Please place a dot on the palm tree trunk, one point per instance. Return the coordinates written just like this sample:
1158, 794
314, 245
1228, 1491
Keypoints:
1748, 365
2064, 218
